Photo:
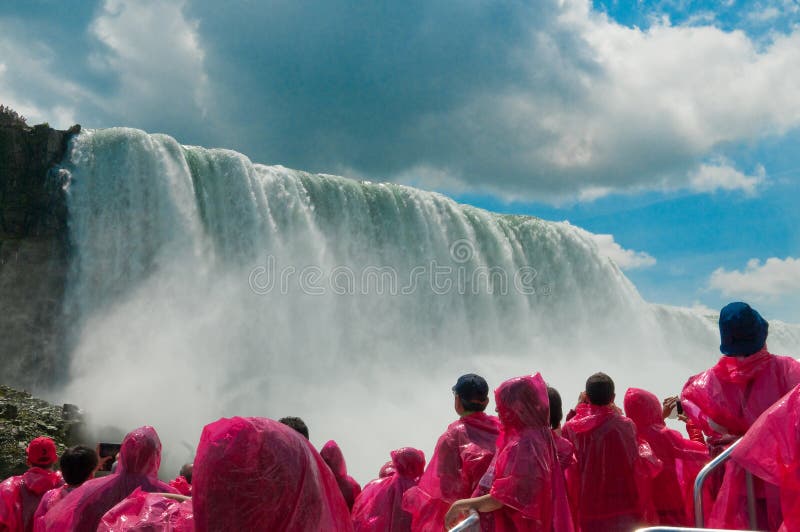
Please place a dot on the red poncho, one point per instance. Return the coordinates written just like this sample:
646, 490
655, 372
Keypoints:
139, 459
333, 456
528, 479
50, 499
726, 399
724, 402
258, 474
771, 451
681, 458
378, 508
20, 496
612, 468
148, 511
462, 455
181, 485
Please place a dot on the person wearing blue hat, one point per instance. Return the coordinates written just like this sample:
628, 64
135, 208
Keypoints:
725, 400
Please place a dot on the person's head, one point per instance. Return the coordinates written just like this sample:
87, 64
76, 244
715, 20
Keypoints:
408, 462
78, 464
522, 403
186, 472
556, 410
333, 456
600, 389
742, 330
643, 408
140, 453
296, 423
387, 470
41, 452
471, 394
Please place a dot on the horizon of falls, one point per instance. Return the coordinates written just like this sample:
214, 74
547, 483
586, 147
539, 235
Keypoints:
203, 285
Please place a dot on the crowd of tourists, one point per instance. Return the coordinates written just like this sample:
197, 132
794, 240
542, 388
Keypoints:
607, 466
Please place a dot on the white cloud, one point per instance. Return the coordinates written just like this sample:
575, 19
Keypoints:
569, 105
626, 259
155, 52
28, 86
722, 176
773, 278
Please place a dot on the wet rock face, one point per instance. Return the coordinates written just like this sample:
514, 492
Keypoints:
23, 417
33, 253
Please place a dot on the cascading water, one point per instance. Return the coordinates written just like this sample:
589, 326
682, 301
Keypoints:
203, 285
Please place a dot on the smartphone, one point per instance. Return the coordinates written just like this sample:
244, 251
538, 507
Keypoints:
679, 407
108, 449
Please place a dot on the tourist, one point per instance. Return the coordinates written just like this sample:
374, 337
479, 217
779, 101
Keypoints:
725, 401
333, 456
139, 459
78, 464
609, 484
20, 495
771, 451
527, 487
258, 474
379, 506
461, 457
681, 458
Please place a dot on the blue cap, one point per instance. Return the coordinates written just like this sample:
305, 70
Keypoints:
471, 387
742, 330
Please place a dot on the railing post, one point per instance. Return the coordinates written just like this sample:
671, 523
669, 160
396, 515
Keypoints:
751, 500
699, 518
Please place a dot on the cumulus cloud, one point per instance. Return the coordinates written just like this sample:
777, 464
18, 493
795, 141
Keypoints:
626, 259
154, 54
722, 176
546, 100
773, 278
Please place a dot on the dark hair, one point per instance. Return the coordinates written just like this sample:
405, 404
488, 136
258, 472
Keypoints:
296, 423
556, 410
186, 472
600, 389
473, 392
472, 406
77, 464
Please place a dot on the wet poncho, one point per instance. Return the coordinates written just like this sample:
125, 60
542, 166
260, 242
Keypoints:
20, 496
148, 511
726, 399
181, 485
610, 483
379, 507
258, 474
771, 451
528, 479
50, 499
681, 458
724, 402
333, 456
139, 459
461, 457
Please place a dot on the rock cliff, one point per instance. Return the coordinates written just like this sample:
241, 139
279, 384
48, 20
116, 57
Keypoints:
33, 253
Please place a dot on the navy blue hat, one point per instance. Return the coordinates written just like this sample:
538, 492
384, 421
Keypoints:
742, 330
471, 387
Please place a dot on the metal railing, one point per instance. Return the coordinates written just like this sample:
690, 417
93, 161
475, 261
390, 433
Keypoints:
464, 525
699, 518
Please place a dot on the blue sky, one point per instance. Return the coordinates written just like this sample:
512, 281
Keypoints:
671, 125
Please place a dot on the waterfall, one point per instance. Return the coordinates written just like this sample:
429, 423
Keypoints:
203, 285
